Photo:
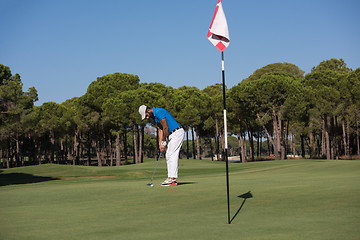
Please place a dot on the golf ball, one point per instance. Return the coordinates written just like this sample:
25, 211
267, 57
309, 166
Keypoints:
151, 185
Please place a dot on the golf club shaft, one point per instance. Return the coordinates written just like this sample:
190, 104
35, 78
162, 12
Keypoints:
155, 167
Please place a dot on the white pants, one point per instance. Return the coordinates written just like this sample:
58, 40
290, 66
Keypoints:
172, 153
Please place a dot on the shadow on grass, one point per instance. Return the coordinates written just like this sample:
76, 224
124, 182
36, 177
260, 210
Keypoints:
22, 178
185, 183
244, 196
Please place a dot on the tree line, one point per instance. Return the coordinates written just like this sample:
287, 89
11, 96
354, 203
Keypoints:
314, 115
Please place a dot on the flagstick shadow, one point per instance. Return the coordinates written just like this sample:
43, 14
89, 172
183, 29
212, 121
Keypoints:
244, 196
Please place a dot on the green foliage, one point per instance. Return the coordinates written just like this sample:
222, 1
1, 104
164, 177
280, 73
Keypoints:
324, 83
5, 74
191, 106
50, 117
109, 86
156, 94
15, 105
274, 96
273, 91
215, 107
276, 67
333, 64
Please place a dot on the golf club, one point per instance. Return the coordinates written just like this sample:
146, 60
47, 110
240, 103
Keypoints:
151, 183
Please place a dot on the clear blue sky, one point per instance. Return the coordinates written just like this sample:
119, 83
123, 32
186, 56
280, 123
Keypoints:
60, 47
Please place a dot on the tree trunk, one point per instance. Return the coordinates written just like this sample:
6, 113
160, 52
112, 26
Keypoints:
81, 153
211, 150
318, 144
323, 137
1, 158
98, 153
222, 138
135, 145
110, 150
198, 147
125, 147
261, 147
258, 144
18, 160
357, 137
327, 139
293, 144
118, 157
7, 157
79, 149
193, 142
34, 152
241, 143
346, 152
332, 136
38, 152
187, 144
276, 138
217, 144
241, 146
61, 154
277, 132
312, 143
251, 144
302, 145
348, 137
273, 142
104, 150
88, 150
76, 144
67, 151
52, 148
284, 139
141, 142
268, 145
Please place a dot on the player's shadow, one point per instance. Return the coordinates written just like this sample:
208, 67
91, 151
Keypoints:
185, 183
244, 196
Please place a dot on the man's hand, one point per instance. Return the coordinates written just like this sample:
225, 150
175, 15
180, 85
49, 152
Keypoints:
162, 146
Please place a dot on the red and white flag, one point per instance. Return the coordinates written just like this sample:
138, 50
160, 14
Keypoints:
218, 32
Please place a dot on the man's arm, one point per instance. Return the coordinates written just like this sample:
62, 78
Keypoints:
163, 133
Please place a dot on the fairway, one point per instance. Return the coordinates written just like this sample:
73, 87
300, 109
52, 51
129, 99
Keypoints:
291, 199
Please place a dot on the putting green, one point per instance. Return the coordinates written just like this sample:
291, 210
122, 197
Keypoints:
292, 199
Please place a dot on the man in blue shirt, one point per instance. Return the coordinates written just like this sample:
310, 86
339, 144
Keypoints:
168, 128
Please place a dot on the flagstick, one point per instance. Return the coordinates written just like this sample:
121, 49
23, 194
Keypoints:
225, 135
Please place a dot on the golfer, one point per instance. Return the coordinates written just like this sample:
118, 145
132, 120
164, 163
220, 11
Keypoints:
171, 130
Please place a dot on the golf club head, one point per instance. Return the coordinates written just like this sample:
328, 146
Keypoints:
150, 184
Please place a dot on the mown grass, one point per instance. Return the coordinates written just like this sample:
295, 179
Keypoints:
292, 199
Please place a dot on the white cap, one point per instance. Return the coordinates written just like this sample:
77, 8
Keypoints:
142, 110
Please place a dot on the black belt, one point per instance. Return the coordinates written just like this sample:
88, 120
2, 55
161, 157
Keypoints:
174, 130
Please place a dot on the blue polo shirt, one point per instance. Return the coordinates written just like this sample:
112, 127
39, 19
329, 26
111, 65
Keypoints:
160, 114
